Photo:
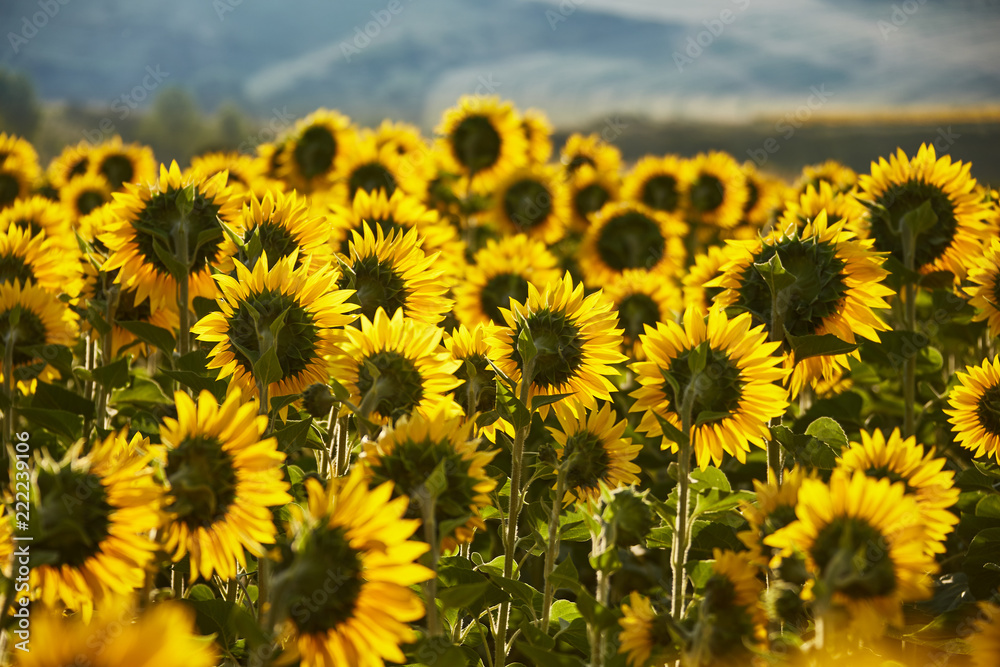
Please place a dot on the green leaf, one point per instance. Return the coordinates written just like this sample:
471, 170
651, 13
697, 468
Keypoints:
697, 359
815, 346
60, 422
774, 274
151, 334
279, 402
184, 201
464, 596
54, 397
503, 377
267, 369
706, 416
594, 612
919, 220
198, 382
828, 431
710, 478
510, 407
671, 432
437, 482
204, 306
228, 620
549, 658
174, 266
565, 576
526, 345
59, 357
539, 401
112, 375
700, 572
141, 391
989, 507
518, 590
201, 592
293, 435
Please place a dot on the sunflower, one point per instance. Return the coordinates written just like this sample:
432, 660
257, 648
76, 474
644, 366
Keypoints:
731, 625
538, 132
629, 235
642, 299
39, 214
985, 642
407, 142
269, 155
317, 151
148, 215
127, 310
575, 337
282, 224
222, 479
594, 453
661, 183
122, 163
706, 268
901, 185
73, 161
984, 274
13, 147
644, 637
839, 177
864, 540
765, 196
718, 191
903, 460
92, 517
372, 168
735, 395
352, 542
590, 190
391, 272
83, 194
481, 139
242, 170
477, 393
410, 451
975, 409
838, 283
774, 509
399, 213
165, 635
310, 310
533, 201
18, 169
500, 273
41, 319
37, 258
590, 150
412, 371
801, 209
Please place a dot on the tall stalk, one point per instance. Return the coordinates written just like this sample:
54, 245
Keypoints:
681, 542
552, 549
428, 507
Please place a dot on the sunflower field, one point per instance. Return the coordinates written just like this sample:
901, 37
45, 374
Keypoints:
363, 397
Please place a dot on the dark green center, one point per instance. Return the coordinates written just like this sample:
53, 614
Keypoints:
118, 169
295, 345
853, 558
660, 192
776, 519
158, 219
476, 143
899, 200
377, 285
718, 388
14, 268
589, 460
498, 292
30, 330
10, 188
559, 344
276, 241
527, 204
399, 388
988, 410
129, 311
578, 161
590, 199
202, 478
371, 177
631, 240
816, 294
707, 193
314, 151
79, 167
73, 515
753, 195
634, 312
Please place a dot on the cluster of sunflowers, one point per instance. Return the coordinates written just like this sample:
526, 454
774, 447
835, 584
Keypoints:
361, 397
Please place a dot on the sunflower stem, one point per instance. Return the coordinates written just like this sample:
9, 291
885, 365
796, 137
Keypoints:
910, 313
8, 384
517, 462
428, 508
681, 542
552, 549
107, 342
599, 636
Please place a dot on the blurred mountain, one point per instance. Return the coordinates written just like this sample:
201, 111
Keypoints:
579, 60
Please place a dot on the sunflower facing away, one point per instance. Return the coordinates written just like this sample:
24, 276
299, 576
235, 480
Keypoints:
736, 393
222, 479
901, 185
354, 540
477, 393
412, 371
31, 317
283, 223
91, 521
408, 452
532, 201
629, 235
317, 151
576, 338
864, 541
501, 273
482, 140
595, 453
148, 215
306, 303
984, 274
838, 283
924, 477
642, 299
975, 409
661, 183
165, 635
122, 163
644, 637
774, 509
718, 191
